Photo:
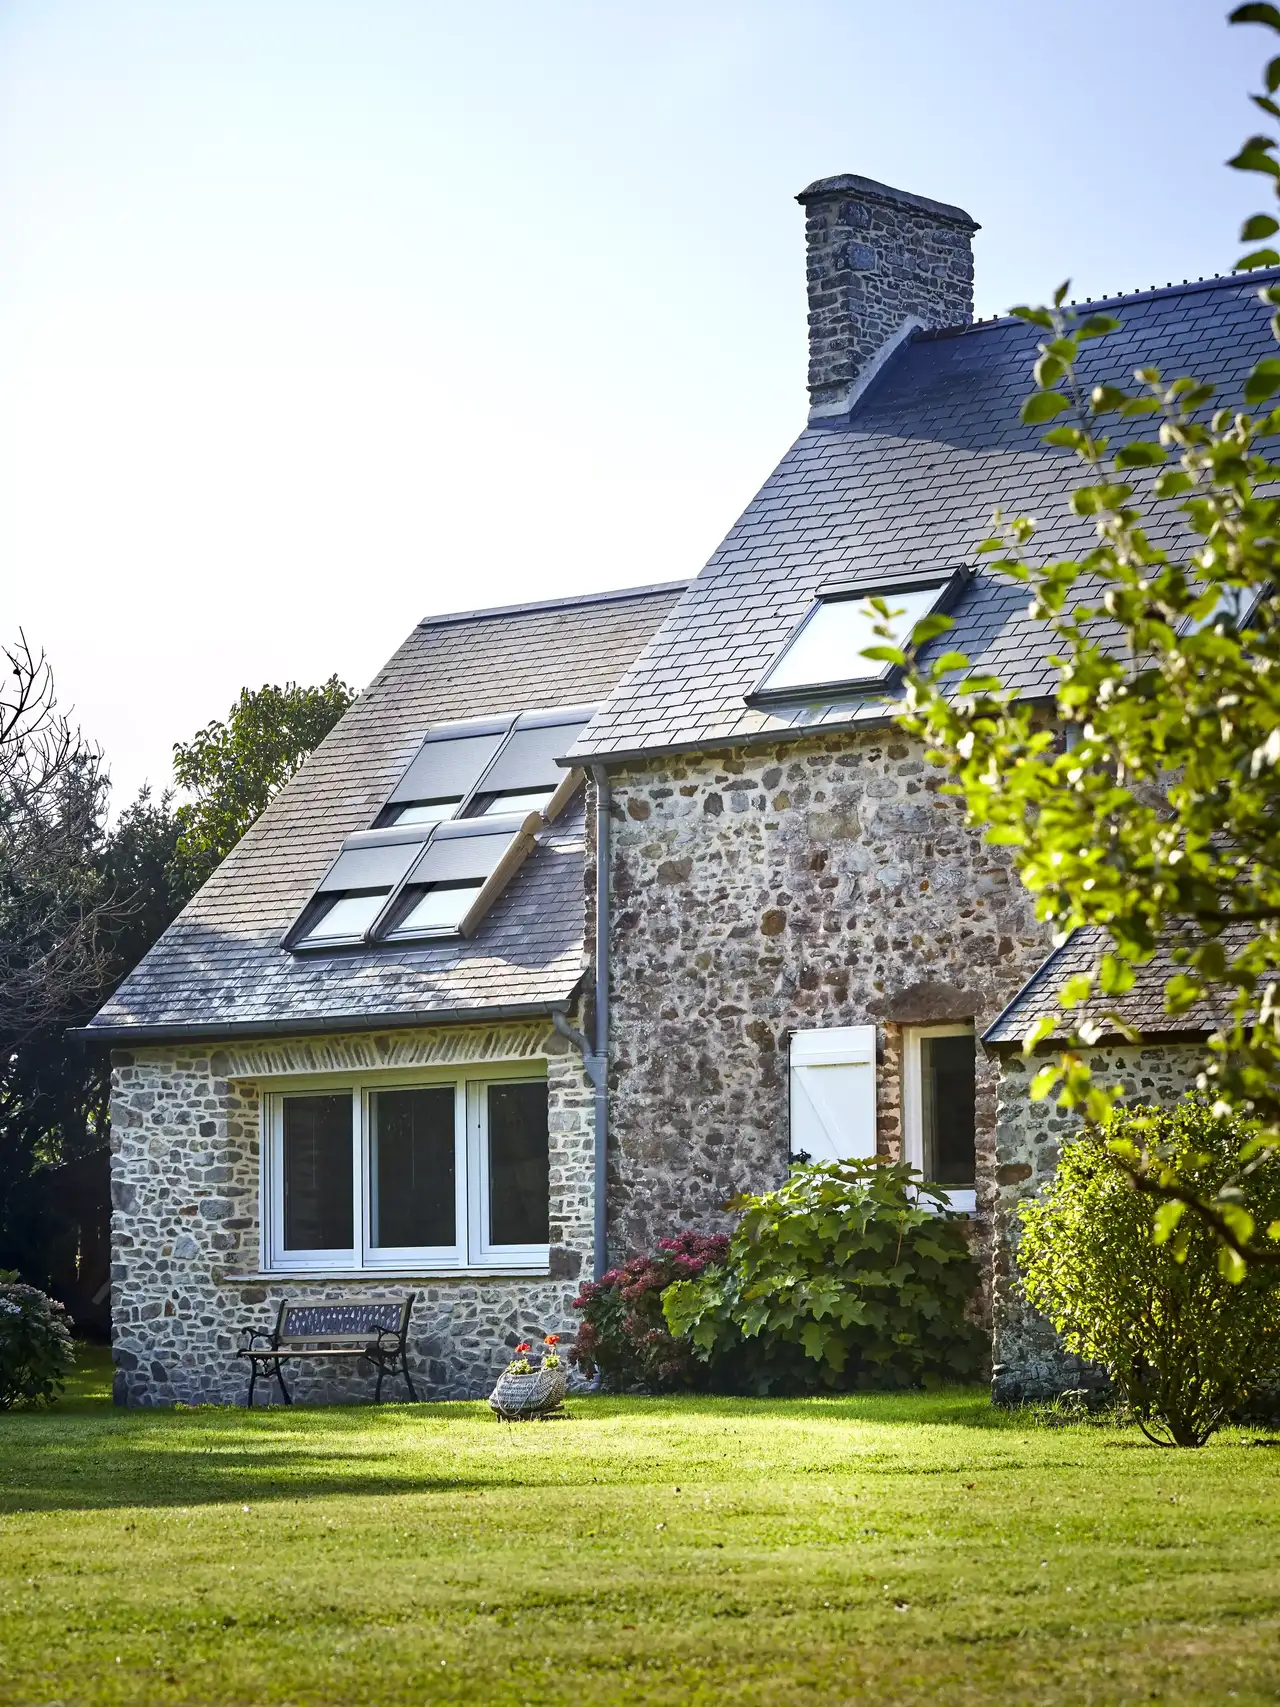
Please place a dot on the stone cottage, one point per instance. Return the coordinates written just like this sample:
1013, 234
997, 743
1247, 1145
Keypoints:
592, 912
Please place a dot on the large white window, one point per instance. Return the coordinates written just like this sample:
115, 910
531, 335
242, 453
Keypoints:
938, 1107
399, 1173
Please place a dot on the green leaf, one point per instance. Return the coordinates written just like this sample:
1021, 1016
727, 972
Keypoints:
1271, 77
1049, 370
1264, 381
1166, 1219
1231, 1265
1077, 989
1143, 454
1266, 104
1261, 224
1258, 257
1036, 316
1172, 483
1070, 438
1097, 326
1060, 295
1255, 12
1255, 156
1116, 975
1044, 1082
1106, 399
1043, 406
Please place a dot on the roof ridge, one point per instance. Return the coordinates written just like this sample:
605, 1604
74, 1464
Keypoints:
1187, 288
619, 595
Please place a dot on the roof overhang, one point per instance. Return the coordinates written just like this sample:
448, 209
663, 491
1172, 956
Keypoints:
405, 1020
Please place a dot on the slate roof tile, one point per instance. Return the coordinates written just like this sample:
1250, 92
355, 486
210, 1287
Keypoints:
219, 966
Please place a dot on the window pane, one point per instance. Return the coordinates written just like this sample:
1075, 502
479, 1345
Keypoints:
946, 1082
413, 1177
426, 812
518, 1171
317, 1173
438, 909
828, 647
533, 801
349, 916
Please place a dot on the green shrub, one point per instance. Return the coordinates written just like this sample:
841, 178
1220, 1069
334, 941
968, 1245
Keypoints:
1183, 1344
846, 1276
623, 1336
36, 1353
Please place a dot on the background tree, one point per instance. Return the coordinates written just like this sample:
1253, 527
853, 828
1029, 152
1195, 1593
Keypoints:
1157, 818
236, 767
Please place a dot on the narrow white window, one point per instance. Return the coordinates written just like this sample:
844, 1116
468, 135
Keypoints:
833, 1093
509, 1169
938, 1107
313, 1181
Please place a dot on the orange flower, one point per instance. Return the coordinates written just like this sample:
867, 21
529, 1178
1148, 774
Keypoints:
523, 1346
552, 1339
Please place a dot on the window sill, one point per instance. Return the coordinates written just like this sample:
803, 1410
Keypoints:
486, 1271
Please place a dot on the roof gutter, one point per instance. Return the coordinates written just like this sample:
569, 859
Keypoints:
403, 1020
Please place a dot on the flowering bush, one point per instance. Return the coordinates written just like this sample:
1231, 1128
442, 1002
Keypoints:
623, 1334
36, 1353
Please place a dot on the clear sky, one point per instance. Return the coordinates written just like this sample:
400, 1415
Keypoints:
317, 317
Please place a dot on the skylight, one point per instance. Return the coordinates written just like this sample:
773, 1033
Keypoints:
453, 832
823, 657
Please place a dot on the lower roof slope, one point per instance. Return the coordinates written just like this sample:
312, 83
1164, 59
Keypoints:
909, 481
219, 968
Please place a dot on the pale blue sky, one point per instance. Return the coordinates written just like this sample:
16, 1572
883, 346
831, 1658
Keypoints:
318, 317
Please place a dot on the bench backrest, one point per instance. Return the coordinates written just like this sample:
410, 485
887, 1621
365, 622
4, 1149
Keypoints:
353, 1321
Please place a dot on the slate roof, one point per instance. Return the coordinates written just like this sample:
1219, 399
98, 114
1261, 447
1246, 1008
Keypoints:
909, 481
219, 968
1141, 1007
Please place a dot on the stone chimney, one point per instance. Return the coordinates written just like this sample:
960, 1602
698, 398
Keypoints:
881, 263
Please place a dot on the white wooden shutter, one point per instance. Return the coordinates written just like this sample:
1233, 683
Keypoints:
833, 1093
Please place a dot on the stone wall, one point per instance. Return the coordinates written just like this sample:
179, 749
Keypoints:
185, 1223
824, 882
1028, 1361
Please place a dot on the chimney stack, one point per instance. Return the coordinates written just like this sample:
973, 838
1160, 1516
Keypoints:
880, 263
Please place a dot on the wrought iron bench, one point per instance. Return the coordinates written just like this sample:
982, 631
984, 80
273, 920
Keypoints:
350, 1328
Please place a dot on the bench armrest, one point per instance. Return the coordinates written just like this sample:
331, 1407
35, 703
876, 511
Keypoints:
387, 1342
250, 1335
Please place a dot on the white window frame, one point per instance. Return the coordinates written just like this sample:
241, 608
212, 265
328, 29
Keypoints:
472, 1252
478, 1181
964, 1199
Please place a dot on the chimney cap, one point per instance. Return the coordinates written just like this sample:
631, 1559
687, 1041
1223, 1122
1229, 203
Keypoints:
867, 189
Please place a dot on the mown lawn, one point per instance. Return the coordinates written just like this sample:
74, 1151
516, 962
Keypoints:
881, 1549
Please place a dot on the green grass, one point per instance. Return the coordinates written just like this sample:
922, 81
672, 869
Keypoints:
879, 1549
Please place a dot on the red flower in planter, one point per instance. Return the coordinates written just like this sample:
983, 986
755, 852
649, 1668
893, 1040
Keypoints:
523, 1347
551, 1339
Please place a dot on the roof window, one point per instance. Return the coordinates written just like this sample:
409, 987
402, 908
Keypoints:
822, 658
455, 829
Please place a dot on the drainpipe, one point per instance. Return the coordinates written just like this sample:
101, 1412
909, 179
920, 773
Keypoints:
595, 1058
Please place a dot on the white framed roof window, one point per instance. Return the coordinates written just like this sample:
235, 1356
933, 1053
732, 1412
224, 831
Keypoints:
822, 657
457, 878
495, 764
357, 887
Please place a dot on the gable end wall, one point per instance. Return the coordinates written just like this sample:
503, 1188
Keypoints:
826, 882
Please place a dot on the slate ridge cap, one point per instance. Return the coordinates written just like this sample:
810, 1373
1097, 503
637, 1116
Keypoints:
1188, 287
573, 601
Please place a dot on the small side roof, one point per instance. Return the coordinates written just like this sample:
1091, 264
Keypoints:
219, 968
1141, 1007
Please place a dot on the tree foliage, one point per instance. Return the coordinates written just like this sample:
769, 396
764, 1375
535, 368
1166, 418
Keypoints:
237, 766
849, 1275
36, 1353
1149, 806
1184, 1345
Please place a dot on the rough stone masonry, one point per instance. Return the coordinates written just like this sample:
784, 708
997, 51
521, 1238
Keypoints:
185, 1182
821, 882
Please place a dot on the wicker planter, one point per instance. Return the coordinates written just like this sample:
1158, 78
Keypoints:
537, 1394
